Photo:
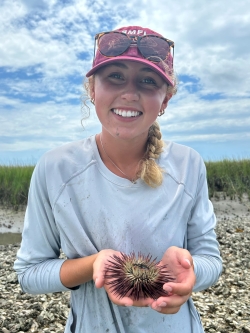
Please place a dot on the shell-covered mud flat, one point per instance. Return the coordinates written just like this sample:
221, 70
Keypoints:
224, 307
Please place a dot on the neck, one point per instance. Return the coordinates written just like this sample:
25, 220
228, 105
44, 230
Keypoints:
122, 157
123, 150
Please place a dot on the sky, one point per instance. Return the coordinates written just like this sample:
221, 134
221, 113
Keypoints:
46, 48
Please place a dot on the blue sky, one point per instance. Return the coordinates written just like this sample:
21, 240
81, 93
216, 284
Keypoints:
46, 47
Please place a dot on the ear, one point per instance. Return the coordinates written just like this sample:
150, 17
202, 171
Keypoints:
92, 92
165, 101
91, 87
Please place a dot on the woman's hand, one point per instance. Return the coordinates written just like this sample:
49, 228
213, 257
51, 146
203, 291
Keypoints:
99, 268
180, 263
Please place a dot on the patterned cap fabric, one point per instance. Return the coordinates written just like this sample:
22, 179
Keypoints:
163, 68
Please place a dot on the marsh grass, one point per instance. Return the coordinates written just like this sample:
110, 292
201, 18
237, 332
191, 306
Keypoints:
229, 177
14, 185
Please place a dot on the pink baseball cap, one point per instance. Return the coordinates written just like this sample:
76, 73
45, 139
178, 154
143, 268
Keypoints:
164, 67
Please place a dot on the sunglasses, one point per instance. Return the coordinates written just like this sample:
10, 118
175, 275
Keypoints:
151, 47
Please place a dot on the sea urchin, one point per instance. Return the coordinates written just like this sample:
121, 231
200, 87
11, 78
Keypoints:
138, 277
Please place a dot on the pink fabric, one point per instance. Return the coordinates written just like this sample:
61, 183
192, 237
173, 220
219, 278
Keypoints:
133, 54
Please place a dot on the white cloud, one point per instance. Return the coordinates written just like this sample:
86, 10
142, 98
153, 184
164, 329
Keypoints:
49, 44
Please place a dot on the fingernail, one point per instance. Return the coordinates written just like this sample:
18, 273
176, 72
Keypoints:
127, 305
168, 289
158, 309
188, 262
163, 304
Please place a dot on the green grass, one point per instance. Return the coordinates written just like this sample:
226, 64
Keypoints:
14, 185
229, 177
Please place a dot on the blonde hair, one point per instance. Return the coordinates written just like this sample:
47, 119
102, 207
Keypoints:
149, 171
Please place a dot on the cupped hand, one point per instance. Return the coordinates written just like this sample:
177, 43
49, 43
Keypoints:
99, 268
180, 263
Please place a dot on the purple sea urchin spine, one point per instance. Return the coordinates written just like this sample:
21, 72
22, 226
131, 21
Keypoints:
139, 277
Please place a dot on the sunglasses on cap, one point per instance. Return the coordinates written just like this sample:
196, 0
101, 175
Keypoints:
152, 47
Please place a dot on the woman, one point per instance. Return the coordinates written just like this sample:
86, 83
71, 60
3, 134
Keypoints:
122, 190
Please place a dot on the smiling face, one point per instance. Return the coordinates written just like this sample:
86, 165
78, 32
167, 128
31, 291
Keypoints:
128, 98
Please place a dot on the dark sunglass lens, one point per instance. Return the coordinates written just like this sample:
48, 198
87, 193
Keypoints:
113, 44
154, 48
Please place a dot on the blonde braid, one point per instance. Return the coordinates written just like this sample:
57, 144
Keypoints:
149, 171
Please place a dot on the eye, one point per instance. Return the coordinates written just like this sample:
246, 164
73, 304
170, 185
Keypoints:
116, 76
148, 80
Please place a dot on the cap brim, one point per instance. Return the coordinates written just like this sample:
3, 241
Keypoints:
150, 64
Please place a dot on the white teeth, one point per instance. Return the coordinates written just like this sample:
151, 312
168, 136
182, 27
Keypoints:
124, 113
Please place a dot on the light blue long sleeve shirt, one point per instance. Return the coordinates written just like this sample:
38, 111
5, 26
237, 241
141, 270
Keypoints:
78, 205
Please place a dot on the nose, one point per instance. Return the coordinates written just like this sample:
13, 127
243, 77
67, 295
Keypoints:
130, 92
